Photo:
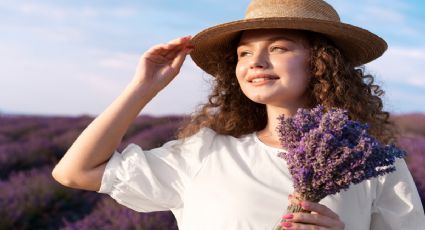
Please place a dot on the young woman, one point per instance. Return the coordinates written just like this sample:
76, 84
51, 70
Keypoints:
223, 172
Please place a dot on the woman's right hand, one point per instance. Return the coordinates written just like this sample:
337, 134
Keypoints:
321, 217
161, 63
84, 163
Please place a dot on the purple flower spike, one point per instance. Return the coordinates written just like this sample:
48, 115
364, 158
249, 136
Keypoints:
327, 152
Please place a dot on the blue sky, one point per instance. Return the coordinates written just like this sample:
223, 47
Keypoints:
74, 57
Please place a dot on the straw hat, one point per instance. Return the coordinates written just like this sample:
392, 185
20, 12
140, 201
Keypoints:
358, 45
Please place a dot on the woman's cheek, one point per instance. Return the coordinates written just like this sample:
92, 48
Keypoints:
240, 71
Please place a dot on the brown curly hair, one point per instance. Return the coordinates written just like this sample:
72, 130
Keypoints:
335, 82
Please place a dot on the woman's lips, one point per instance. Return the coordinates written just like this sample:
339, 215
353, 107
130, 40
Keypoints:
260, 79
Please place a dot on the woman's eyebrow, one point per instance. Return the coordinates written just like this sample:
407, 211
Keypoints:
271, 39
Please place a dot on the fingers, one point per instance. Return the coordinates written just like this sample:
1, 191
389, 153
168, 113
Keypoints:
179, 59
299, 226
319, 208
303, 220
321, 217
170, 50
289, 225
312, 206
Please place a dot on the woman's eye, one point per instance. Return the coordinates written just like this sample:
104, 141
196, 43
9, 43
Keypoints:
244, 53
278, 49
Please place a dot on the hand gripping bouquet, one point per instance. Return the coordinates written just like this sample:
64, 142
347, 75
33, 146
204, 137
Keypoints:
327, 152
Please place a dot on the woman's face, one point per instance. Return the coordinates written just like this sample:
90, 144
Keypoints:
273, 67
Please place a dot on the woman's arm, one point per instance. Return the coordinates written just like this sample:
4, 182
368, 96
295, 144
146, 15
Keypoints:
397, 204
83, 164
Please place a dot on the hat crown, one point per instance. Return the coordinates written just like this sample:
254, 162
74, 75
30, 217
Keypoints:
314, 9
214, 44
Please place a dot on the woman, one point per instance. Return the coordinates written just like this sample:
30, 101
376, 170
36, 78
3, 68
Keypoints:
223, 172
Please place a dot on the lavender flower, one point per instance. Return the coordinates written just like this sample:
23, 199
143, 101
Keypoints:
415, 146
327, 152
33, 200
110, 215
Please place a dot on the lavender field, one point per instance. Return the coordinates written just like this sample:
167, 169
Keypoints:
31, 145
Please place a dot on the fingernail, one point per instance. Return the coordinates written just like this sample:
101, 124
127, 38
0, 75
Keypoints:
286, 224
304, 204
288, 216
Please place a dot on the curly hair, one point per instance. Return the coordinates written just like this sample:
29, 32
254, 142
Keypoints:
335, 82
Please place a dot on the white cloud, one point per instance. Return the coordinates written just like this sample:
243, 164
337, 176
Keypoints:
58, 58
118, 61
86, 82
123, 12
400, 71
412, 53
70, 12
42, 10
59, 34
68, 84
380, 14
417, 81
389, 19
402, 65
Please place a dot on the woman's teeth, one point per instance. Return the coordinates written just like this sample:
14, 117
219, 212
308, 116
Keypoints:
258, 80
261, 79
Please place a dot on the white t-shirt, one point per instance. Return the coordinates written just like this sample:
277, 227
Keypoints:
218, 182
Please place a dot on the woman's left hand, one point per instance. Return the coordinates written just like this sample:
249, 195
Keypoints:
321, 217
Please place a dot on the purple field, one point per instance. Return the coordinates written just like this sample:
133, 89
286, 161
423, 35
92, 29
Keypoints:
31, 145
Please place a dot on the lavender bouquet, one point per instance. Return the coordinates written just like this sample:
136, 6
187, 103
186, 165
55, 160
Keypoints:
327, 152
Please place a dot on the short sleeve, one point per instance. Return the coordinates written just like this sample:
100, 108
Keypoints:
397, 204
155, 180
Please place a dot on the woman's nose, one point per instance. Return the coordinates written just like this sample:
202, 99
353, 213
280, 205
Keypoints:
259, 60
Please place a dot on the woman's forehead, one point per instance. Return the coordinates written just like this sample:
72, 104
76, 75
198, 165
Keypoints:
250, 36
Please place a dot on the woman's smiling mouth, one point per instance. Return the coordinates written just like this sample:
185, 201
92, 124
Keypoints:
260, 79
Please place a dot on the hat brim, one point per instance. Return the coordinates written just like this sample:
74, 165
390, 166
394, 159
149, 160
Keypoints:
359, 46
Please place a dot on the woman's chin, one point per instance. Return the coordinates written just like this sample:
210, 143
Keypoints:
260, 99
263, 100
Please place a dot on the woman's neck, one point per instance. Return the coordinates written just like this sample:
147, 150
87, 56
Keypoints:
269, 134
